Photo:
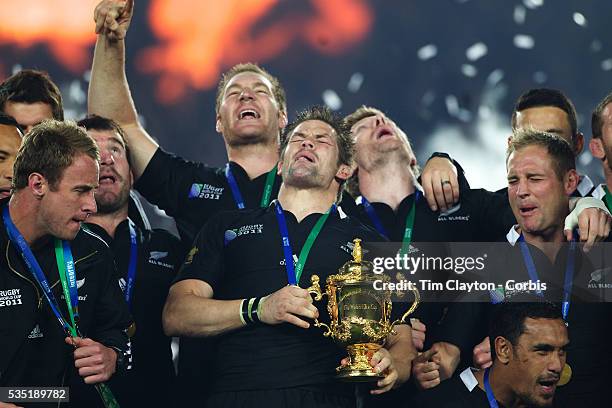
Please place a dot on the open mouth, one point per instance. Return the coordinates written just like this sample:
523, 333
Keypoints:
305, 157
527, 210
248, 114
384, 132
5, 192
549, 385
107, 179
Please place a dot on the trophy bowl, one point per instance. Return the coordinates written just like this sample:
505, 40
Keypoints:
359, 314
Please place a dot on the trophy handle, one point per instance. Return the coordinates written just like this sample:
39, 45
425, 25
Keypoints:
315, 289
411, 309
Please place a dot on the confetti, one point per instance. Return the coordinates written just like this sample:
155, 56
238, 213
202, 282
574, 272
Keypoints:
355, 82
579, 19
524, 41
331, 99
540, 77
469, 70
16, 68
428, 98
76, 92
452, 105
495, 77
427, 52
476, 51
519, 14
533, 4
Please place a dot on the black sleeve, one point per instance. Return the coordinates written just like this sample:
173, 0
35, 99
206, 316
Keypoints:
493, 209
167, 181
494, 217
204, 260
464, 325
111, 316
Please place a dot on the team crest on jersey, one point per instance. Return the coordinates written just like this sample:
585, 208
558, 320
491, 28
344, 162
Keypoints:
155, 258
348, 247
450, 215
205, 191
599, 279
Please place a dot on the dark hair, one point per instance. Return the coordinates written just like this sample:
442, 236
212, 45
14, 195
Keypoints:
346, 145
596, 119
31, 86
507, 319
49, 148
10, 121
541, 97
96, 122
558, 148
277, 89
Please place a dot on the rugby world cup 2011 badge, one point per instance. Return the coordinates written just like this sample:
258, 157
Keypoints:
205, 191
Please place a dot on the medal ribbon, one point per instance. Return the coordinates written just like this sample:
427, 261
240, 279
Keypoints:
28, 257
294, 273
369, 209
608, 198
408, 228
131, 275
67, 273
489, 390
267, 192
569, 272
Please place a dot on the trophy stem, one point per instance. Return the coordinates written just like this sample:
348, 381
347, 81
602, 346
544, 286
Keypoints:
359, 368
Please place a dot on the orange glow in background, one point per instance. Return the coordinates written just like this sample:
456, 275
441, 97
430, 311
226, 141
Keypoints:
65, 26
196, 39
199, 39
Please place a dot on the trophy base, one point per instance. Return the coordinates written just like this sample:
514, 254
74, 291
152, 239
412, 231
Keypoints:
359, 368
348, 375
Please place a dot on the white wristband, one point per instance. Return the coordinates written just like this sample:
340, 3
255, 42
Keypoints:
571, 221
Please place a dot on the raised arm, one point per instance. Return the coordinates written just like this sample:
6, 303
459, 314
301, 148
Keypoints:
109, 93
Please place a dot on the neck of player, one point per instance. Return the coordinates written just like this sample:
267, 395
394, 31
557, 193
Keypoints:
303, 202
501, 388
255, 159
24, 213
548, 241
110, 221
389, 184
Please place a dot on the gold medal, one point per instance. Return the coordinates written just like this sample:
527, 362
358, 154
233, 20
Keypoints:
131, 330
566, 375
